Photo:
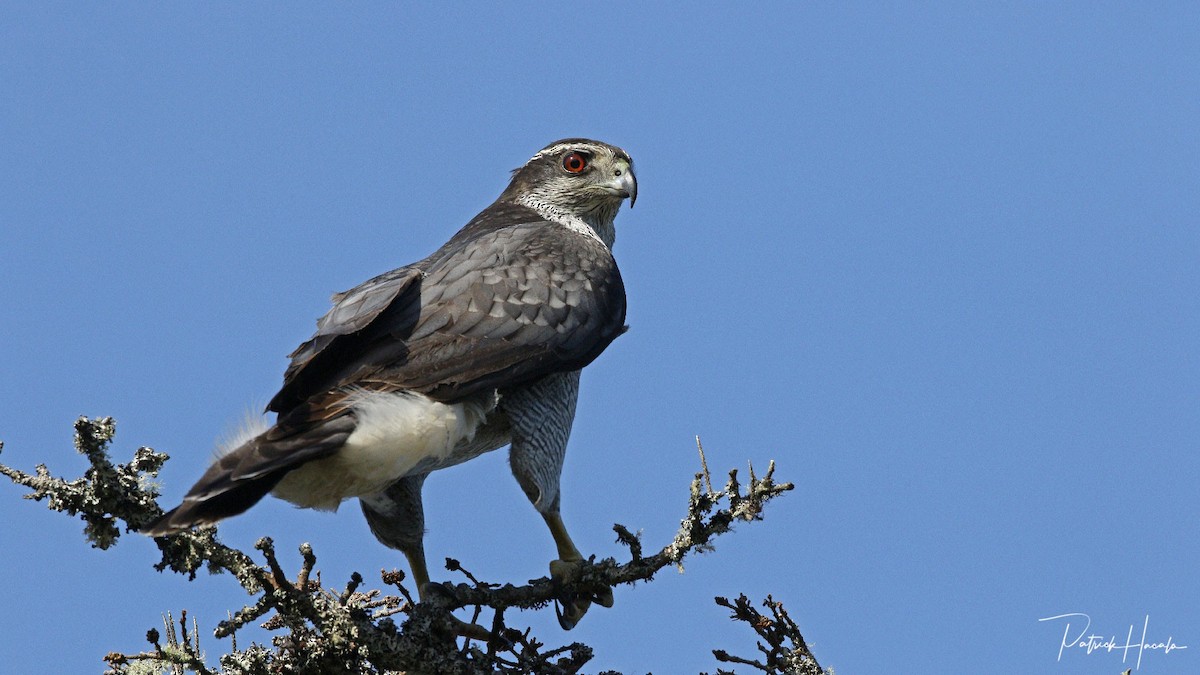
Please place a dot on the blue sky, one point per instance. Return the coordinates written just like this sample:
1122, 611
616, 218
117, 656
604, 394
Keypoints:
939, 261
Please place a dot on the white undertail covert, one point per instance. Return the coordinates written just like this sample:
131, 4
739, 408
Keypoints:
395, 432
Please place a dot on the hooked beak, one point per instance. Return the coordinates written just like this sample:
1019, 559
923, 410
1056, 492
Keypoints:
624, 183
632, 185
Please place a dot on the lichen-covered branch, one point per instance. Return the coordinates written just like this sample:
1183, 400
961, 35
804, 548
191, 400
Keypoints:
105, 492
353, 631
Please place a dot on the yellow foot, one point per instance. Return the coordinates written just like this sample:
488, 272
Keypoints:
572, 605
469, 630
455, 625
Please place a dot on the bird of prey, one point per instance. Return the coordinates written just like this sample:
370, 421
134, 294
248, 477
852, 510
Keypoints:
475, 347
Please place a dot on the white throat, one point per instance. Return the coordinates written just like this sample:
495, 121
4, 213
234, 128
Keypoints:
595, 227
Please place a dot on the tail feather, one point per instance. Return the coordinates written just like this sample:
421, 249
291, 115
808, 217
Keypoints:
243, 476
233, 499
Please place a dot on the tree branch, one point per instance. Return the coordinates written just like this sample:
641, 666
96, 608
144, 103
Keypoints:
353, 631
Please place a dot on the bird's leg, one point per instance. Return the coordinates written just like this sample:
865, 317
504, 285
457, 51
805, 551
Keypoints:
397, 518
415, 554
566, 569
420, 571
566, 548
540, 416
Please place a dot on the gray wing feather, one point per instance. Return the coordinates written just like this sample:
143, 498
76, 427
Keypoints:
353, 310
357, 307
501, 308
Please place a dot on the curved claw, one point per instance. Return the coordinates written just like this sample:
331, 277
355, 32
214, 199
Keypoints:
603, 597
571, 611
570, 607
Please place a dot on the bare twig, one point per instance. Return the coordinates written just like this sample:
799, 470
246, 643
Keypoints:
704, 465
776, 631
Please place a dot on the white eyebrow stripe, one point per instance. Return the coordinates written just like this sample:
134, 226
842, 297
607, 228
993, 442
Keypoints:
559, 147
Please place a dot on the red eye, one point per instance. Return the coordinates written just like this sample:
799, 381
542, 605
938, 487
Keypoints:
575, 162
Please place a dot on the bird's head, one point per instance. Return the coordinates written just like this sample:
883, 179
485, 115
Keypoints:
576, 177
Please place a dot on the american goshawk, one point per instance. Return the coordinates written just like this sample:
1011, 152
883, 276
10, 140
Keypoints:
475, 347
